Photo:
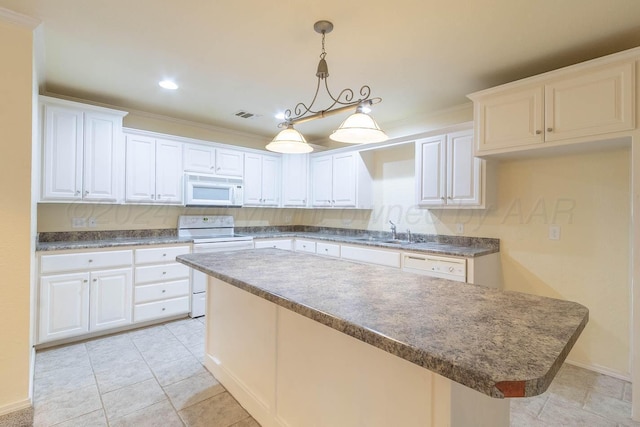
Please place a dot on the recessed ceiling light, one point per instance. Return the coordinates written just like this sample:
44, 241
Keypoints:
168, 84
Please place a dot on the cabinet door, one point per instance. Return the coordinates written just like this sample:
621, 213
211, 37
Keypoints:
294, 180
63, 153
63, 306
510, 119
591, 103
430, 171
168, 172
344, 180
199, 158
270, 180
229, 162
321, 181
463, 170
252, 179
111, 299
141, 169
102, 159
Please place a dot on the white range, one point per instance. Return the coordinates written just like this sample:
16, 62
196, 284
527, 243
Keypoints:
210, 234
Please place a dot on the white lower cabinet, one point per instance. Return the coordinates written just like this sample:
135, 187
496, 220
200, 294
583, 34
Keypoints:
82, 292
77, 298
110, 297
162, 286
64, 306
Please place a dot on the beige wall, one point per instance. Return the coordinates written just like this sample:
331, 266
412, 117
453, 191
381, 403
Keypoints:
587, 194
15, 214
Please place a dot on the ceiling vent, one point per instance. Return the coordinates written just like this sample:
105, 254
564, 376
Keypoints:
243, 114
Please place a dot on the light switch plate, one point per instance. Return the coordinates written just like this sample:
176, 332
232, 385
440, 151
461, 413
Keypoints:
554, 232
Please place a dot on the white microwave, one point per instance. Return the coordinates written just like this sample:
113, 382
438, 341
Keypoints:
208, 190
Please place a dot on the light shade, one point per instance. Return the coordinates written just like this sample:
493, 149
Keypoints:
289, 141
359, 128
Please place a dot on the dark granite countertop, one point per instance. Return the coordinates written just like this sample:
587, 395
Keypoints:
439, 248
461, 246
503, 344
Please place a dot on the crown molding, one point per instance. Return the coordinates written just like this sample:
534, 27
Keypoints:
18, 18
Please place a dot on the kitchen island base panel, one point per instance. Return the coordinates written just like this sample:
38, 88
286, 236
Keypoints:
288, 370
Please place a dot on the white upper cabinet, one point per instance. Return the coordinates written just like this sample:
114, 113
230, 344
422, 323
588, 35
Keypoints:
555, 108
82, 152
212, 160
154, 170
341, 180
447, 173
261, 180
295, 168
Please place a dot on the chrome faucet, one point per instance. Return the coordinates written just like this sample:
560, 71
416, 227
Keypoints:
394, 235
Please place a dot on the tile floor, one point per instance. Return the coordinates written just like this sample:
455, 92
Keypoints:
147, 377
155, 377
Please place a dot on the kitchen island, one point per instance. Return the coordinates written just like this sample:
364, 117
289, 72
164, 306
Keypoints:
306, 340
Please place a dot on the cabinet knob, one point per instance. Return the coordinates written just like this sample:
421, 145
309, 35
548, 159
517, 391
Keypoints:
304, 201
164, 254
549, 129
85, 281
164, 272
158, 196
164, 290
163, 309
326, 249
442, 198
77, 191
212, 167
90, 260
449, 197
538, 132
218, 169
86, 191
95, 280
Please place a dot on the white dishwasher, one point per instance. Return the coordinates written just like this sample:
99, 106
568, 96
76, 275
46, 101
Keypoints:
435, 266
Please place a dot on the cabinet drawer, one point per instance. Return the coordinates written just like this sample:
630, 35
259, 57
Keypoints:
85, 261
372, 256
159, 291
328, 249
286, 244
161, 273
158, 309
306, 246
156, 255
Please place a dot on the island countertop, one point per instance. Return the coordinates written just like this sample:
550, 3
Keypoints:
500, 343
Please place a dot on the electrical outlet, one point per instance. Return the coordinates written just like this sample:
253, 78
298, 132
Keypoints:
93, 222
554, 232
78, 222
459, 228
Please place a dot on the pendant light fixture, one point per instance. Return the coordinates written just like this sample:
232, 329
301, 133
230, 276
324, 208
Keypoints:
358, 128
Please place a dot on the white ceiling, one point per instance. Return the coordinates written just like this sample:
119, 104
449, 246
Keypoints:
420, 56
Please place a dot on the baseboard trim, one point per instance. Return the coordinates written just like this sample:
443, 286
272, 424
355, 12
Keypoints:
601, 370
16, 406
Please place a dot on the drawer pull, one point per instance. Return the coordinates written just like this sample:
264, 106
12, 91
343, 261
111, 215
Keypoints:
417, 258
